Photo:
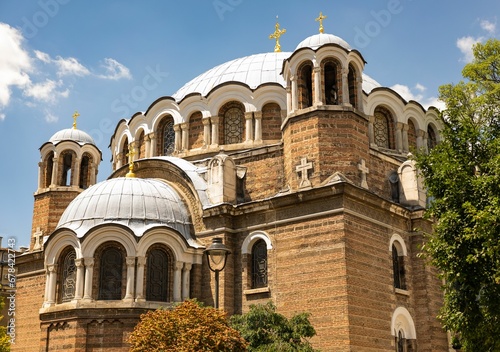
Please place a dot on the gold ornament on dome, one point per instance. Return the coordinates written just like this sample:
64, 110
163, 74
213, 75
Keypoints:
320, 20
276, 35
75, 116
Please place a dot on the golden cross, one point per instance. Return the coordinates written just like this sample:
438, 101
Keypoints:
130, 154
276, 35
320, 20
75, 116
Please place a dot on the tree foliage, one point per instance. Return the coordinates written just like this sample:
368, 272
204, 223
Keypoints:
189, 327
268, 331
462, 177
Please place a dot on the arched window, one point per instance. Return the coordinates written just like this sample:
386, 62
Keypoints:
233, 126
124, 152
331, 83
66, 168
351, 79
412, 136
305, 85
85, 171
166, 141
400, 342
67, 283
403, 330
141, 146
195, 130
431, 138
259, 264
382, 128
110, 274
159, 272
398, 268
49, 165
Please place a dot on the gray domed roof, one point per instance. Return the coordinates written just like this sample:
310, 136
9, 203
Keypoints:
139, 204
317, 40
72, 134
251, 70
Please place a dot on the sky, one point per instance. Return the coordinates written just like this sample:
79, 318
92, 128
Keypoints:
109, 59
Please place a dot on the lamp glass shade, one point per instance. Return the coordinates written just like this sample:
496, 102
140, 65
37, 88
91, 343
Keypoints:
217, 254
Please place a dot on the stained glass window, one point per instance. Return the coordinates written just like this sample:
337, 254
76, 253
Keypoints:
168, 138
68, 277
157, 276
233, 126
381, 129
259, 264
110, 279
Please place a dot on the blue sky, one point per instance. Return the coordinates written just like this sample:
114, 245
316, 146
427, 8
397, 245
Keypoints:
109, 59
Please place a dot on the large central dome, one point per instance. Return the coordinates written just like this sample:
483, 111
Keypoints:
136, 203
253, 71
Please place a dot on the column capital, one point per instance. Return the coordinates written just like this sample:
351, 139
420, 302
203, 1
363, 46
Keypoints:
130, 261
248, 115
177, 127
79, 262
257, 114
178, 265
89, 262
188, 266
184, 126
141, 261
51, 268
215, 119
406, 127
205, 121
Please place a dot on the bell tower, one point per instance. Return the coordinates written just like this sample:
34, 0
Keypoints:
69, 163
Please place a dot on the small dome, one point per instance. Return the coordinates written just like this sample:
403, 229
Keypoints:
137, 203
251, 70
71, 134
317, 40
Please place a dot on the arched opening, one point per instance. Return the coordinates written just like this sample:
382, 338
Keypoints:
141, 146
166, 140
124, 152
431, 137
67, 276
49, 166
232, 126
271, 122
305, 85
66, 168
195, 130
112, 271
331, 83
259, 264
159, 274
85, 171
352, 84
398, 267
412, 136
383, 128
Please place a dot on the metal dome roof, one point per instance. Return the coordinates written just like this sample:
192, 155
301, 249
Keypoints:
139, 204
251, 70
72, 134
317, 40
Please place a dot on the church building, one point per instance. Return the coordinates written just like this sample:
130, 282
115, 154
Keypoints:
297, 161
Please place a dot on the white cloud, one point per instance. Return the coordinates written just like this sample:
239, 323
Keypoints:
465, 45
46, 91
42, 56
115, 70
70, 66
50, 118
420, 87
407, 94
2, 117
15, 63
488, 26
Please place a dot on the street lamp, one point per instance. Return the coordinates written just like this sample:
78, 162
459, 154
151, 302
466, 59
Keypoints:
217, 254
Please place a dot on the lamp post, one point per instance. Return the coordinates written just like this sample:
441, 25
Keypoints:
216, 255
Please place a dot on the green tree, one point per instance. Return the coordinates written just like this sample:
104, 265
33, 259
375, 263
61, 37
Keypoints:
189, 327
268, 331
462, 177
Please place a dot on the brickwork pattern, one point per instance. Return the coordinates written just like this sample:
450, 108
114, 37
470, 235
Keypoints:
195, 130
271, 122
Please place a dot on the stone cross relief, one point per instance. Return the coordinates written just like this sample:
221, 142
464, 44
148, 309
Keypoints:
364, 171
303, 169
38, 239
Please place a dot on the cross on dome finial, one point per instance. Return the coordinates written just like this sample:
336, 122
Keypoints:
75, 116
320, 20
276, 35
130, 154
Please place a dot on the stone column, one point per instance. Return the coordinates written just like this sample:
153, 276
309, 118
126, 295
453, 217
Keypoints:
206, 131
258, 126
420, 139
185, 135
89, 273
295, 100
317, 86
248, 127
51, 283
129, 290
147, 148
399, 136
118, 161
47, 280
345, 86
152, 143
93, 173
53, 182
76, 175
139, 294
215, 130
186, 274
41, 166
371, 133
178, 138
406, 146
177, 281
289, 98
79, 278
359, 83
